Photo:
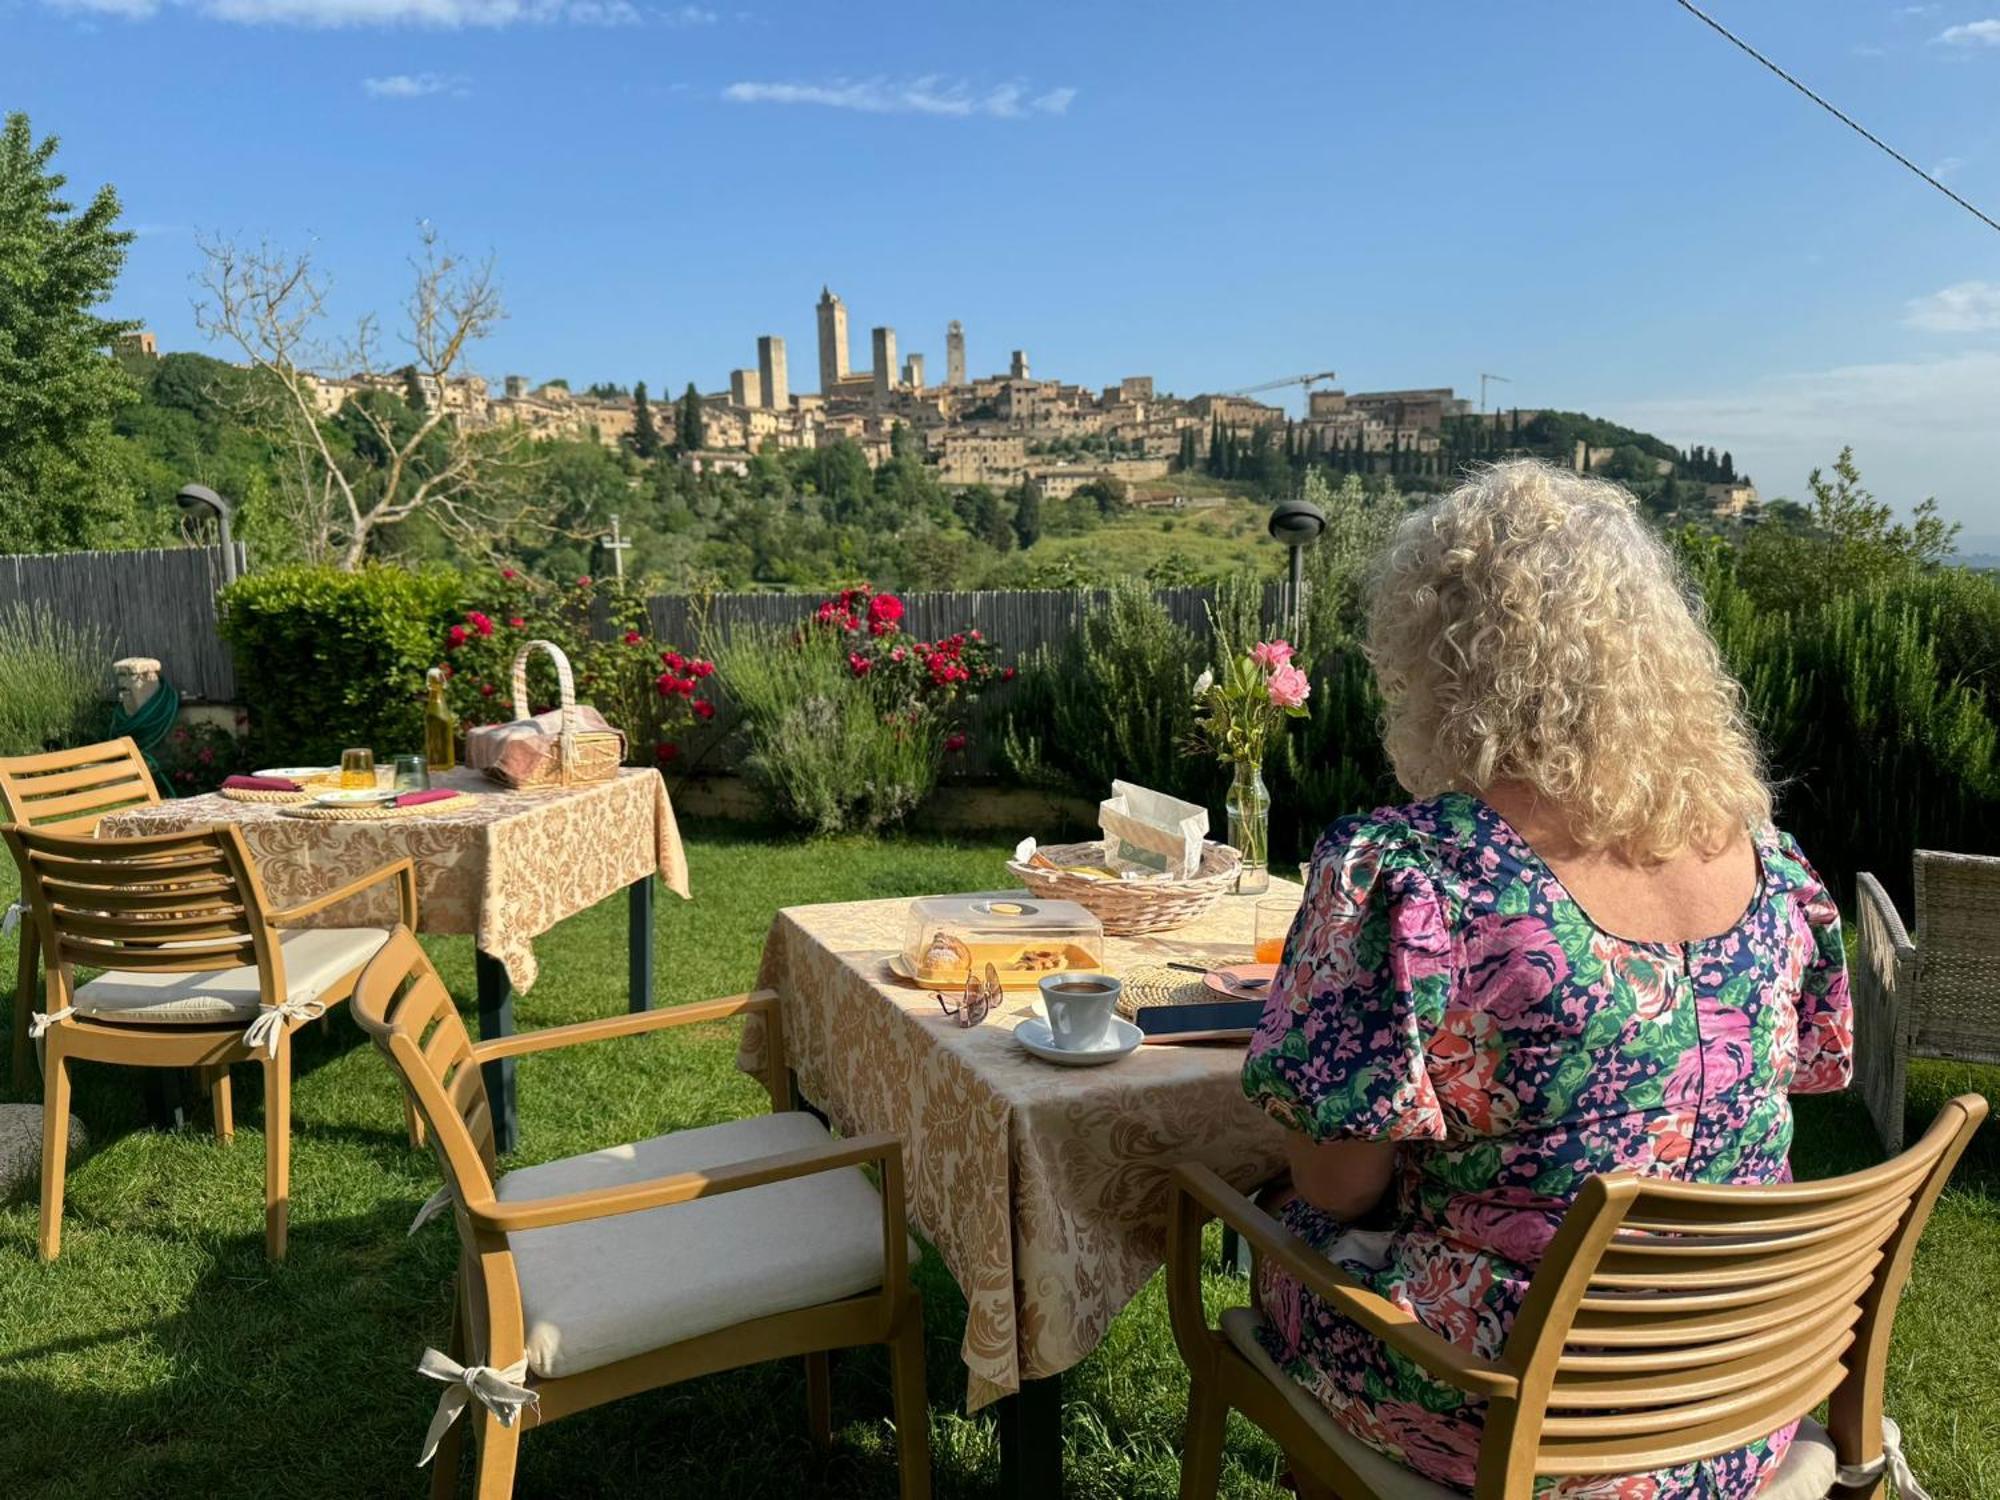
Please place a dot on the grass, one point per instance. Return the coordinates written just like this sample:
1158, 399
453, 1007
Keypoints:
161, 1356
1218, 539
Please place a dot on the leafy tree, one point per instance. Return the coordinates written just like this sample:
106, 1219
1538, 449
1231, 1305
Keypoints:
1028, 516
59, 386
645, 436
689, 435
413, 390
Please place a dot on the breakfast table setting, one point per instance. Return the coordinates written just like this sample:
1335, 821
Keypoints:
1046, 1070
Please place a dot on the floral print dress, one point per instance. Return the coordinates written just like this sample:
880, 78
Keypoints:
1442, 990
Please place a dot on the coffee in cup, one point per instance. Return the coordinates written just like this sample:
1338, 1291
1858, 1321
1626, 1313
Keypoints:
1080, 1007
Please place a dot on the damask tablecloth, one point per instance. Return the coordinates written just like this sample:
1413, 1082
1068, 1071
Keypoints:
505, 869
1043, 1188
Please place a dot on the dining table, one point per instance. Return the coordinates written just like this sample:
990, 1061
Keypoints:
503, 865
1043, 1188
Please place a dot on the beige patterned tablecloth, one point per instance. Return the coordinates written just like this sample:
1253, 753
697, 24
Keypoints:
1042, 1187
506, 869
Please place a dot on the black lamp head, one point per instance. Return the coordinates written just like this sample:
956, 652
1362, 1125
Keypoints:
196, 497
1297, 522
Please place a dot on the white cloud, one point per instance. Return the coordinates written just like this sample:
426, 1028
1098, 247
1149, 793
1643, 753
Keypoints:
1946, 166
1918, 427
413, 86
1963, 307
1972, 34
929, 95
443, 15
690, 15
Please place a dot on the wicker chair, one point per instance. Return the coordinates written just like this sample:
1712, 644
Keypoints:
1669, 1321
1938, 996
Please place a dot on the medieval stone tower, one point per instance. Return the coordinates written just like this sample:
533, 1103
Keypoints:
954, 353
832, 341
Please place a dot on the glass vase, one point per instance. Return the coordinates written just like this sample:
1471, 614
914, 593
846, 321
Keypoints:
1250, 828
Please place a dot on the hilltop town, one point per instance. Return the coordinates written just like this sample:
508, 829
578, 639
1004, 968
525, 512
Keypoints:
1012, 429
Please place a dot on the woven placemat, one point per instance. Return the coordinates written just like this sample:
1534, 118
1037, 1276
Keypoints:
457, 802
1147, 985
252, 794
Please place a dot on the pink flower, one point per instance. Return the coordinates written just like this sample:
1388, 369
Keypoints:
703, 709
884, 610
515, 622
509, 574
1271, 655
666, 753
673, 661
486, 690
1007, 675
632, 637
455, 637
954, 742
702, 668
583, 582
481, 623
897, 654
1288, 687
859, 665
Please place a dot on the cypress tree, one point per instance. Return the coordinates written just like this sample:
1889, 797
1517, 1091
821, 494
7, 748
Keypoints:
645, 436
688, 428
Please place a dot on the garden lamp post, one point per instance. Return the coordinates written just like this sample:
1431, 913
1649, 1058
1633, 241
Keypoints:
1297, 523
196, 498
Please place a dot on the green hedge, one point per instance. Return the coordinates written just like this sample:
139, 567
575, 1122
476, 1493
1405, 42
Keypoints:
327, 659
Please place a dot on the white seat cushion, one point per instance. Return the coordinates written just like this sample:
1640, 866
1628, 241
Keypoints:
604, 1290
315, 959
1806, 1474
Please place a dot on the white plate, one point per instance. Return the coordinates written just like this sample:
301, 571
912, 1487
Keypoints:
1034, 1035
355, 798
298, 773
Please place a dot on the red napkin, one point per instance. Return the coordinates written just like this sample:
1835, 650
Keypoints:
260, 784
435, 794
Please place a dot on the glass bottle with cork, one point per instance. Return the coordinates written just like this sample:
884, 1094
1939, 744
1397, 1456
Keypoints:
440, 731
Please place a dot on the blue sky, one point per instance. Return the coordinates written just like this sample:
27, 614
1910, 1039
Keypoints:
1602, 201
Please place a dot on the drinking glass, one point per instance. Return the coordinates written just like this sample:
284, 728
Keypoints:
357, 770
412, 774
1274, 924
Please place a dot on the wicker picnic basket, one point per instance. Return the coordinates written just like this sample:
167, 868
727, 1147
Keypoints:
1129, 907
567, 746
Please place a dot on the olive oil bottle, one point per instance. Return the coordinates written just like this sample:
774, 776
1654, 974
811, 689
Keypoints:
440, 733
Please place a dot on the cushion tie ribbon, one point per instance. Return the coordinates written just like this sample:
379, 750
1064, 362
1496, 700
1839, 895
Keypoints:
39, 1023
1858, 1476
269, 1026
434, 1205
499, 1391
12, 918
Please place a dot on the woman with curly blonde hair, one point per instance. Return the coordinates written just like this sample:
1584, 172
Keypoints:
1584, 949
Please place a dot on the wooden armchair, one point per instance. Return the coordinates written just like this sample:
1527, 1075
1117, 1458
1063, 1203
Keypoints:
1932, 997
1668, 1322
192, 952
599, 1276
64, 791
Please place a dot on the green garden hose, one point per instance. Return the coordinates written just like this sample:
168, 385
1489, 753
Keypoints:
148, 727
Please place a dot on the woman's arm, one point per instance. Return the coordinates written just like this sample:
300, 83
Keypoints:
1343, 1178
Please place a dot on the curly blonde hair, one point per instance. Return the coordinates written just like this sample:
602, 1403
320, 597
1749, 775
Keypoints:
1530, 627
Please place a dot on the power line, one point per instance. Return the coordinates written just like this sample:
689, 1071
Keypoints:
1848, 120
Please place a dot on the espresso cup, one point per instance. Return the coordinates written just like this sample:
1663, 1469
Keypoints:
1080, 1008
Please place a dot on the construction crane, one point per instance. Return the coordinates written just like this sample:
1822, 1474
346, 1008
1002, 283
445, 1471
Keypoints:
1304, 381
1483, 378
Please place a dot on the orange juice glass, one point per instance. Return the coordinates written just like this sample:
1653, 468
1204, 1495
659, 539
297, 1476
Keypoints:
357, 770
1274, 924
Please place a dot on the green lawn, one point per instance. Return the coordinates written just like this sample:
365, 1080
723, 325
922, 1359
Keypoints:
162, 1356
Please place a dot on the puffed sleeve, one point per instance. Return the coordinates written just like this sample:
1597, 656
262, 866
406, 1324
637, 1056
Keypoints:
1826, 1011
1339, 1053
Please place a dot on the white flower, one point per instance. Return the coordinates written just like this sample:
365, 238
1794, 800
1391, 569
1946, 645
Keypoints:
1203, 683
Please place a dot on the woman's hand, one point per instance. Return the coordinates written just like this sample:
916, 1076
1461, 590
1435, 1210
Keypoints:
1342, 1178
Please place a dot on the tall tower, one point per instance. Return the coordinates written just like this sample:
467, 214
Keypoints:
954, 353
746, 388
776, 389
832, 341
1018, 367
885, 361
913, 372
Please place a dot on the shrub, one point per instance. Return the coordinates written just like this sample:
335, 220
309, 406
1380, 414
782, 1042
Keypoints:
52, 680
826, 748
326, 659
651, 691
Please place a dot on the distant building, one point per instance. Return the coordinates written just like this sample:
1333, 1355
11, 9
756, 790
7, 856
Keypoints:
746, 388
954, 353
1733, 499
516, 386
776, 386
1136, 388
140, 342
1423, 409
708, 461
1017, 367
971, 457
885, 362
913, 373
832, 342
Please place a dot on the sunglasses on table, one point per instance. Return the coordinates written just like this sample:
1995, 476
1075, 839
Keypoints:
982, 994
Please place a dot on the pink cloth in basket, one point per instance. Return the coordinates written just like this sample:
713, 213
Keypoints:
518, 748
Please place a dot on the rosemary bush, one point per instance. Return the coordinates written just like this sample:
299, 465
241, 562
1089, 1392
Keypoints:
52, 681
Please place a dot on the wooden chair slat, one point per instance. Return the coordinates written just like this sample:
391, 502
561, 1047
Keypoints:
1644, 1305
1764, 1260
1738, 1402
101, 773
195, 959
84, 876
181, 927
1785, 1329
1635, 1391
1608, 1450
1669, 1323
100, 799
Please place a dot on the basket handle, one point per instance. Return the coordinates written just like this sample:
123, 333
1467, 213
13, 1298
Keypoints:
565, 683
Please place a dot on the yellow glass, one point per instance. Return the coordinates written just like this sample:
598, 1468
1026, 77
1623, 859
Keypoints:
357, 770
1274, 925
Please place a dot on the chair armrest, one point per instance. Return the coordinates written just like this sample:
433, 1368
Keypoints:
1881, 942
757, 1003
405, 873
1198, 1195
884, 1151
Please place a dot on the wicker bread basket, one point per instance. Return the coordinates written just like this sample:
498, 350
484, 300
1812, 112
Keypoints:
566, 748
1128, 907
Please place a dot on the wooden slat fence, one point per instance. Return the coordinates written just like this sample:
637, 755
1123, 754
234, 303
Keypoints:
157, 602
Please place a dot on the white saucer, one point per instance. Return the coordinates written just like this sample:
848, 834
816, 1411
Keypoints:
1033, 1034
